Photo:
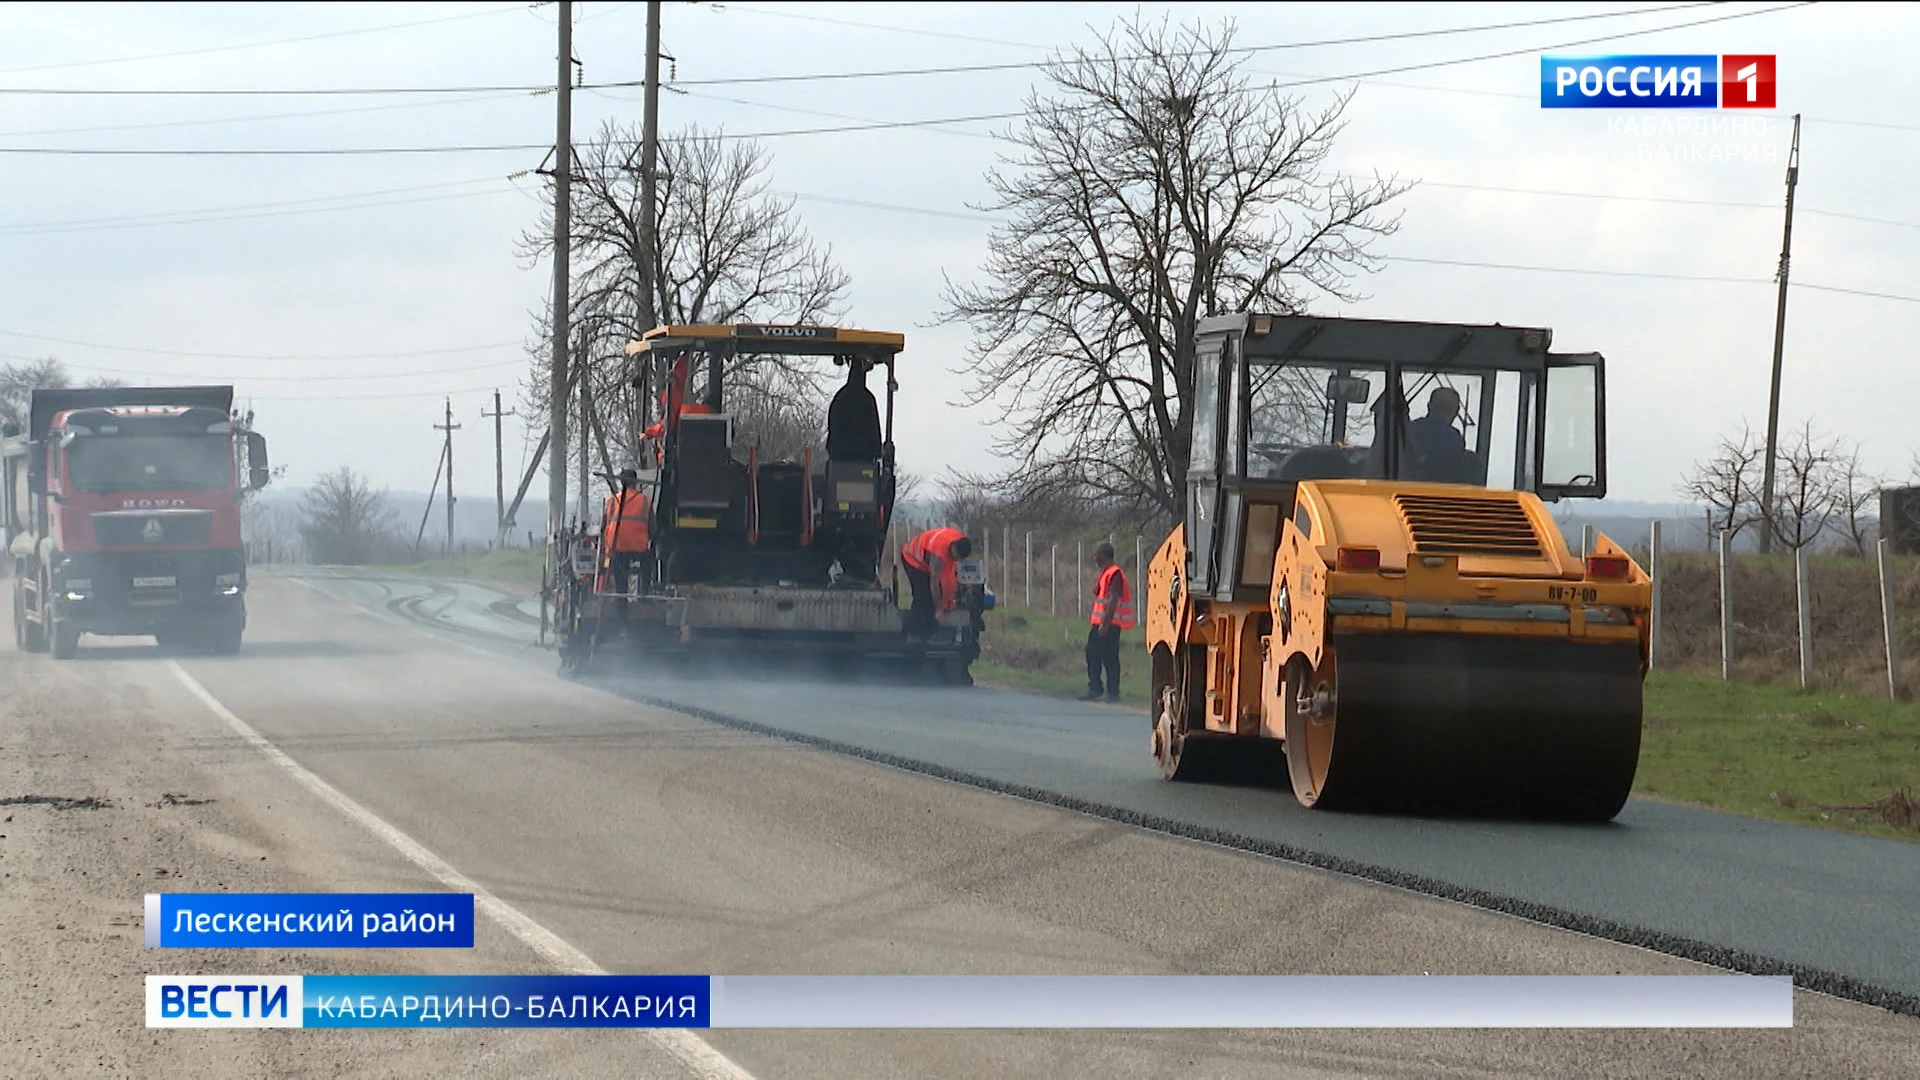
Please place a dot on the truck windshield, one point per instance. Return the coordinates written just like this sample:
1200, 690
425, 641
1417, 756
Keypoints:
150, 462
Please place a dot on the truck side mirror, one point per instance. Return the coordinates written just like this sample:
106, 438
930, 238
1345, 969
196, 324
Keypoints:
258, 471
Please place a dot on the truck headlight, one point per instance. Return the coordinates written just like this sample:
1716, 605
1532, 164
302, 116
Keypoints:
228, 584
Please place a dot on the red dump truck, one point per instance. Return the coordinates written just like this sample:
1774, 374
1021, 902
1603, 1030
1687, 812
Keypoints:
121, 511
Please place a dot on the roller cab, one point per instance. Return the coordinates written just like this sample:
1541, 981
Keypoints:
1370, 582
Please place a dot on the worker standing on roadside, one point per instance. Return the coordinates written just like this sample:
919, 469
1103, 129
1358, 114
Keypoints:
1112, 613
930, 562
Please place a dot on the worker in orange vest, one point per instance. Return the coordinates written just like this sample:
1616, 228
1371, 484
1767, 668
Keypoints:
624, 530
1112, 613
930, 562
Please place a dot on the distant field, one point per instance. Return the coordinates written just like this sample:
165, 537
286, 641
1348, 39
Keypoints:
517, 568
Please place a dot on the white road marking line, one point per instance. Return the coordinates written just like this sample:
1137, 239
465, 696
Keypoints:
689, 1049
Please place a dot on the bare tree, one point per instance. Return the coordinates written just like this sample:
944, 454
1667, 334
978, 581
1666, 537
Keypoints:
1805, 501
346, 522
729, 250
18, 382
1728, 483
1152, 184
1855, 492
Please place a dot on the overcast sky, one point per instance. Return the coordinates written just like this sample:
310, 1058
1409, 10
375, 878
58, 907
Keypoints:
246, 268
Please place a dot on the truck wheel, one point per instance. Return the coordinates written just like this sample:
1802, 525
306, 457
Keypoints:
956, 672
65, 639
224, 642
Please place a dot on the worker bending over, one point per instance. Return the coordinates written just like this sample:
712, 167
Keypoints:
1112, 613
931, 562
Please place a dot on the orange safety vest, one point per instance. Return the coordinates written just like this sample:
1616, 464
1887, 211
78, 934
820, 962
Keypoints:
626, 523
1112, 582
918, 553
939, 542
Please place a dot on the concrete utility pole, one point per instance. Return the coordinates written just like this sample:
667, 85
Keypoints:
586, 439
1779, 346
449, 427
499, 471
649, 160
562, 228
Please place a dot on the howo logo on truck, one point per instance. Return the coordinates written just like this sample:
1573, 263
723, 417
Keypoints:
150, 504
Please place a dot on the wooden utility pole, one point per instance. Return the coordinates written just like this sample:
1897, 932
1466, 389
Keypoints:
499, 471
449, 427
649, 160
1779, 346
562, 228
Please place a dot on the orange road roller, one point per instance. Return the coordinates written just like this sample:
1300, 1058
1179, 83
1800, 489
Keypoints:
1369, 580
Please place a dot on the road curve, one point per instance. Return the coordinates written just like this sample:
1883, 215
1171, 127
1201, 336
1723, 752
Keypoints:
1832, 909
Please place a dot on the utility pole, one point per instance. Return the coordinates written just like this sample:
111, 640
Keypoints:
1779, 346
649, 159
562, 193
499, 473
449, 427
586, 437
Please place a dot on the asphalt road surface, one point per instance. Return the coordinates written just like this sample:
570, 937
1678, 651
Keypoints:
394, 736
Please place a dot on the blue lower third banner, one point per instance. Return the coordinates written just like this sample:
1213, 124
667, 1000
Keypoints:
972, 1001
309, 920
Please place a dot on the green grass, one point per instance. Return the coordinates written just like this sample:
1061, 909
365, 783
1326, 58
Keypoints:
1031, 651
1781, 753
515, 567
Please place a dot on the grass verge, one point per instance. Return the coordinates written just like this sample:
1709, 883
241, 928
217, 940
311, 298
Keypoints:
518, 568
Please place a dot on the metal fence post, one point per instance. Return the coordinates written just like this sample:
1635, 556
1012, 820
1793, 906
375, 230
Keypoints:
1653, 610
986, 558
1586, 541
1139, 561
1006, 561
1726, 604
1803, 593
1053, 584
1079, 575
1029, 569
1889, 624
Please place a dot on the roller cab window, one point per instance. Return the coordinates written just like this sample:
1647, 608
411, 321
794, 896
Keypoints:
1314, 421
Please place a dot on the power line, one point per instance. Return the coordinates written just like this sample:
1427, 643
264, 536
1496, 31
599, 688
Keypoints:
256, 215
881, 26
832, 76
251, 377
1429, 65
260, 44
1242, 50
42, 226
202, 354
1598, 272
209, 121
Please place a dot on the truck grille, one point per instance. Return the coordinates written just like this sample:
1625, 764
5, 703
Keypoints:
1450, 525
135, 529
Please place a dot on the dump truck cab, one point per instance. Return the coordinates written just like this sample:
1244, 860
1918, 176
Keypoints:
1367, 551
744, 552
121, 508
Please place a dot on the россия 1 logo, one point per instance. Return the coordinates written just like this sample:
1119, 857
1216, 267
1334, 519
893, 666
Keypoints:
1707, 81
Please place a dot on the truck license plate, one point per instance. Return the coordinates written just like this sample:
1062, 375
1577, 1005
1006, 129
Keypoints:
153, 583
